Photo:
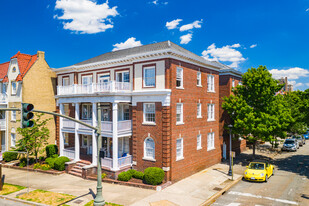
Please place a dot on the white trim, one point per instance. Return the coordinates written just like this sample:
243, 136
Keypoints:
199, 110
181, 114
144, 77
154, 150
181, 78
210, 83
199, 77
210, 141
199, 146
211, 112
179, 157
144, 113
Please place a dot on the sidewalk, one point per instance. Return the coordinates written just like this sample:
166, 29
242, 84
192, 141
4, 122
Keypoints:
193, 190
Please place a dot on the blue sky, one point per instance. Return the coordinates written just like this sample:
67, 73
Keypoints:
242, 34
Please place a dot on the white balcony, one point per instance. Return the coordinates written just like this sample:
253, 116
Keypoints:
2, 124
69, 152
111, 86
122, 162
3, 98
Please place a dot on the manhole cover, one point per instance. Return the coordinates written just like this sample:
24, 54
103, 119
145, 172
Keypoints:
217, 188
78, 201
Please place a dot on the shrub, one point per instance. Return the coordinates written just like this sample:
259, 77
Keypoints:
124, 176
103, 175
51, 150
50, 161
10, 156
60, 163
153, 175
138, 175
55, 156
132, 172
36, 166
23, 161
41, 159
45, 167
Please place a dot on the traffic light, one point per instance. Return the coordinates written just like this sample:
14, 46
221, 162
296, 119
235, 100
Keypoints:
26, 115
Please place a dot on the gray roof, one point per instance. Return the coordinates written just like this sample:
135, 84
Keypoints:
143, 49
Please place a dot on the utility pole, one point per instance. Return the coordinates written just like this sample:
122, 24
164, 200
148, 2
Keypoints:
230, 169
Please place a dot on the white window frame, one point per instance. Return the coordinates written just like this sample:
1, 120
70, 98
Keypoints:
148, 78
147, 112
66, 138
89, 77
89, 113
4, 88
122, 76
13, 115
152, 158
199, 142
181, 113
210, 83
210, 141
211, 112
13, 139
233, 83
179, 157
199, 110
199, 79
14, 89
65, 79
179, 78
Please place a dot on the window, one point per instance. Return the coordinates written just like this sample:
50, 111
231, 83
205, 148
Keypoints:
87, 111
13, 88
179, 78
104, 78
65, 81
66, 138
123, 76
199, 110
13, 139
149, 113
179, 149
86, 80
4, 86
211, 112
179, 113
84, 141
2, 114
210, 83
13, 115
211, 141
14, 69
123, 112
149, 148
199, 141
199, 80
149, 76
123, 146
233, 83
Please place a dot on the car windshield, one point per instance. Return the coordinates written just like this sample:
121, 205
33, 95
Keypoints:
289, 142
257, 166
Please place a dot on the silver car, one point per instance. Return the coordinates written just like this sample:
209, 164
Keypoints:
300, 140
290, 145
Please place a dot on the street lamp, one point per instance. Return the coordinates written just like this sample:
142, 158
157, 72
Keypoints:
230, 169
99, 200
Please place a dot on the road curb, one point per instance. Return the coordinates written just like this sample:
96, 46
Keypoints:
213, 198
21, 201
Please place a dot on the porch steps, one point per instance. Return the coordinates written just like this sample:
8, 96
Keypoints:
77, 169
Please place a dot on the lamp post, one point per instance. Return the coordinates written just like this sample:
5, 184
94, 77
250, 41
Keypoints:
99, 200
230, 169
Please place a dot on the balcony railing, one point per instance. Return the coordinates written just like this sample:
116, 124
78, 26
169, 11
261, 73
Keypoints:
111, 86
2, 124
69, 152
122, 162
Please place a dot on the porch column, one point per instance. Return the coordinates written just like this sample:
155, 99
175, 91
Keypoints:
115, 136
94, 138
61, 140
77, 146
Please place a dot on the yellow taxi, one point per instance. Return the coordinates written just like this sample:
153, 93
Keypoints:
259, 171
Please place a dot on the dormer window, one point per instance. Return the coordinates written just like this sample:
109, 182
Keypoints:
14, 88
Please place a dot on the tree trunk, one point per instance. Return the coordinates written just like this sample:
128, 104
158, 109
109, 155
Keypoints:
253, 149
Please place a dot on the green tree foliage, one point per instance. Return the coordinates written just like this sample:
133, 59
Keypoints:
34, 138
256, 112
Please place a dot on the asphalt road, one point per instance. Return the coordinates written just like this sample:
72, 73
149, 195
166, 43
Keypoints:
288, 186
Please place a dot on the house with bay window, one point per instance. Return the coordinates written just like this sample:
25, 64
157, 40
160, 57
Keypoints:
159, 108
25, 78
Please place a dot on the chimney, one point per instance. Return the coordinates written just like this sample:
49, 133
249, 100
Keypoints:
41, 54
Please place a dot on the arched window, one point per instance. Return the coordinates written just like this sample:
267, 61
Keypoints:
149, 148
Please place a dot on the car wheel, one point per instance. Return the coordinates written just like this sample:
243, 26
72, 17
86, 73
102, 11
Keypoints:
273, 172
266, 178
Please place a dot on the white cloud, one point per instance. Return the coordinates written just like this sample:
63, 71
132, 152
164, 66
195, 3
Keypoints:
292, 73
185, 39
131, 42
196, 24
172, 24
253, 46
307, 84
226, 53
298, 85
155, 2
307, 9
86, 16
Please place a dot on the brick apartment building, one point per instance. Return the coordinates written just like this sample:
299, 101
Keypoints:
25, 78
160, 107
229, 79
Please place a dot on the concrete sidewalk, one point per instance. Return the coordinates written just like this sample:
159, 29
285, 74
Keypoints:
193, 190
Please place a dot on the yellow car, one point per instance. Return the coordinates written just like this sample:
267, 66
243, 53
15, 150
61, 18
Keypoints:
259, 171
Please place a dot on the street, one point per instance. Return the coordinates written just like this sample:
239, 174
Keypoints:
288, 186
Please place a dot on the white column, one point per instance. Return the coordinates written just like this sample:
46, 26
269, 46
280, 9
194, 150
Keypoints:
94, 138
115, 136
61, 140
77, 146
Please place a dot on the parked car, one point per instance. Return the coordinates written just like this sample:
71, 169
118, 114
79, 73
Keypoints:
259, 171
300, 140
306, 135
290, 145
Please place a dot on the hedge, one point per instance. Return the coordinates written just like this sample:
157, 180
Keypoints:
10, 156
51, 150
153, 175
50, 161
59, 164
124, 176
138, 175
23, 161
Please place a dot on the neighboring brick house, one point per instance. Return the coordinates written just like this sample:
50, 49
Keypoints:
160, 107
25, 78
229, 78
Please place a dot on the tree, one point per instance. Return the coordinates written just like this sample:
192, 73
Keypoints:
34, 138
256, 112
